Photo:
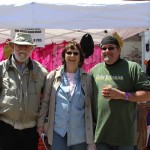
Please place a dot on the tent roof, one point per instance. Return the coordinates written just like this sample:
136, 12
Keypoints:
91, 14
65, 20
59, 35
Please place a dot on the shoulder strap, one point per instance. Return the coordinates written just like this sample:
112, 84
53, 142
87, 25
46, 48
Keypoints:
1, 77
50, 88
52, 79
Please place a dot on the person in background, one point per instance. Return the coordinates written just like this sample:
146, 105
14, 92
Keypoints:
148, 69
22, 83
67, 100
118, 85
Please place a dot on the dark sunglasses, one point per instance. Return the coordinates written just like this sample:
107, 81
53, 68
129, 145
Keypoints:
109, 48
74, 53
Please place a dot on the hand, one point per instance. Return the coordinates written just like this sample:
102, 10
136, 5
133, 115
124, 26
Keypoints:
106, 89
113, 93
40, 130
91, 146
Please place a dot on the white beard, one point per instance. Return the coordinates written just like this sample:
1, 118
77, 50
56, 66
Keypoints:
21, 56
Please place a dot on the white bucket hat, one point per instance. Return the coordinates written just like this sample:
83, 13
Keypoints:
22, 39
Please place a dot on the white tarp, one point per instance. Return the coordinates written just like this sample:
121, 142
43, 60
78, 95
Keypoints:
67, 19
65, 14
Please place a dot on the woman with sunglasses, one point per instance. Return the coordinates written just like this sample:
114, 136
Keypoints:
67, 101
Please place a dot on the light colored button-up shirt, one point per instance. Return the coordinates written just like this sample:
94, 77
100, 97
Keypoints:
69, 114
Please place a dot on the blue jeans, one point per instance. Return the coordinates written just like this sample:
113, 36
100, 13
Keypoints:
104, 146
60, 143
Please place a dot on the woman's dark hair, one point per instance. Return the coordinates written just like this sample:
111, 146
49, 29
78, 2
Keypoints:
73, 46
148, 68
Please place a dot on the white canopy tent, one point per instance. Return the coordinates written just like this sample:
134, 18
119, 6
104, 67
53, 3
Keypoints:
67, 20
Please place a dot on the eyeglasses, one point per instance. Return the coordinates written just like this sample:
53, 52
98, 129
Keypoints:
109, 48
74, 53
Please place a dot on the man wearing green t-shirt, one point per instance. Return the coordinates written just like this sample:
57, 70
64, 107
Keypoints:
118, 85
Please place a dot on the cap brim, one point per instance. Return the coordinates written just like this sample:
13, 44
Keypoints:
22, 43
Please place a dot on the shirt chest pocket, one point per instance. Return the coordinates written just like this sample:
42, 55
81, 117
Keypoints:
79, 101
10, 83
33, 87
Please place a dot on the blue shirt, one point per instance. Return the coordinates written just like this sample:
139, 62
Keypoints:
69, 112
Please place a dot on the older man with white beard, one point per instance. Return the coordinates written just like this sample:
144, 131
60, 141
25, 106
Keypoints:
22, 83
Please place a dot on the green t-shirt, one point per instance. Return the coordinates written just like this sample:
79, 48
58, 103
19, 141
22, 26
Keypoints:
116, 119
